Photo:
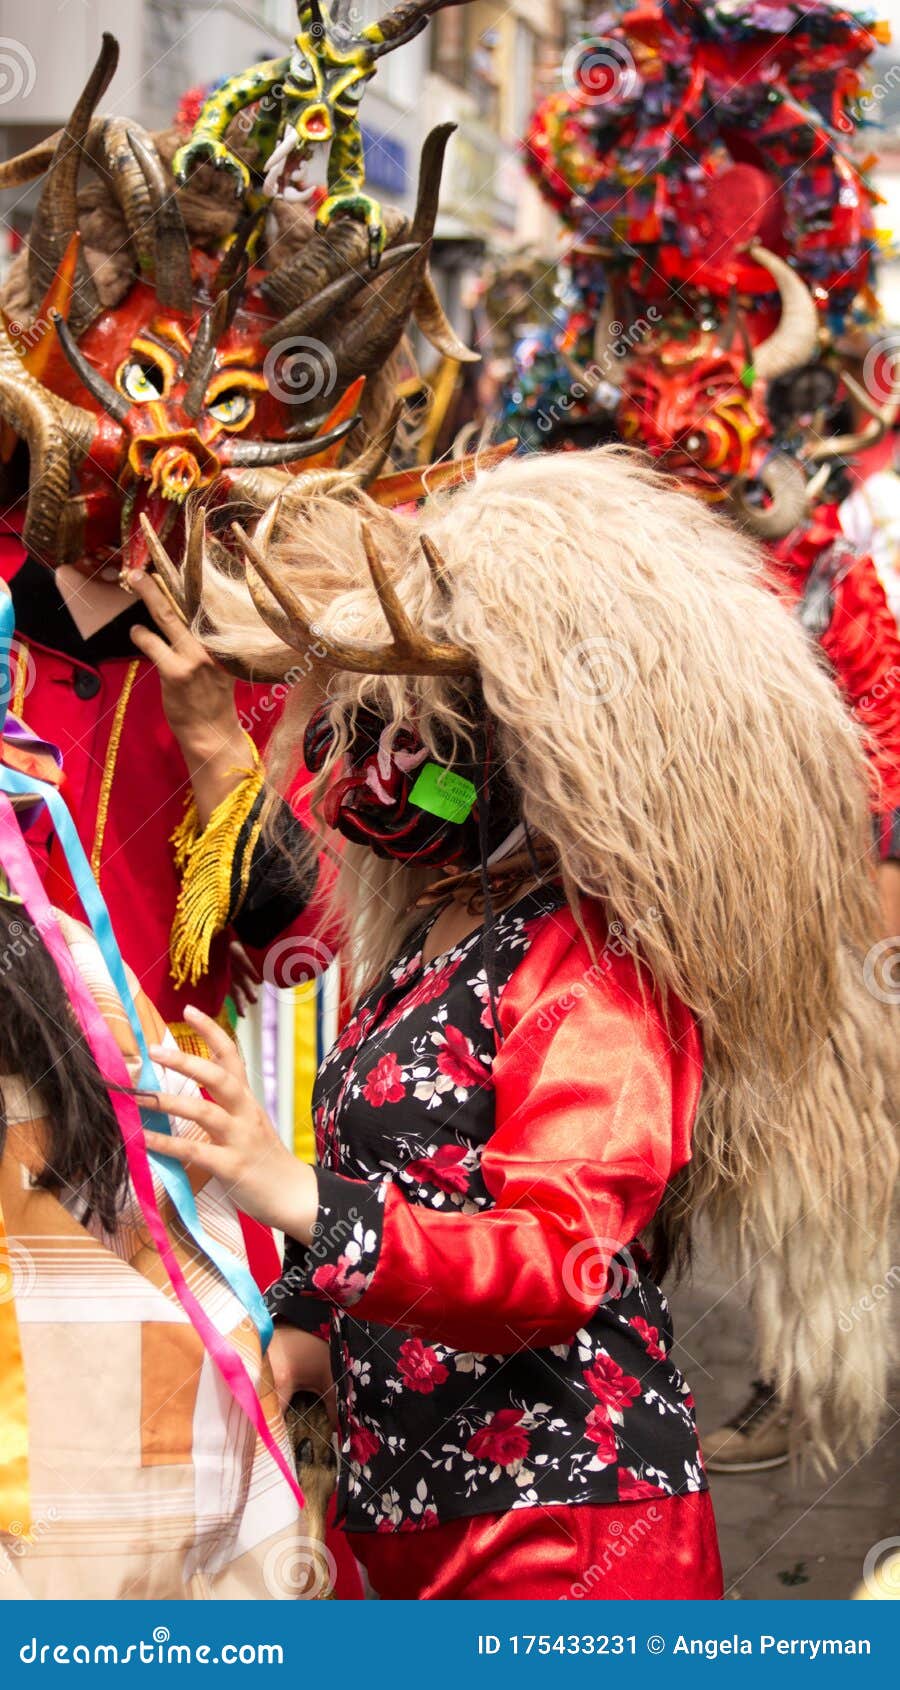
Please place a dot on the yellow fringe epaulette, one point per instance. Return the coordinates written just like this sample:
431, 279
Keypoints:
206, 861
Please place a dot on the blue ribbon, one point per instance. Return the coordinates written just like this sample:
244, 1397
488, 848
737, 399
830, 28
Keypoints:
173, 1176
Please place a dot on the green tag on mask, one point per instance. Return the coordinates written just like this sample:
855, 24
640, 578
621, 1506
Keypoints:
444, 794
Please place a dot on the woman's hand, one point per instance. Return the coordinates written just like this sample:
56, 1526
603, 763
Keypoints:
300, 1362
197, 697
243, 1148
245, 980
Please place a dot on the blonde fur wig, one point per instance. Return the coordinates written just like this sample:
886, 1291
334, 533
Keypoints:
675, 740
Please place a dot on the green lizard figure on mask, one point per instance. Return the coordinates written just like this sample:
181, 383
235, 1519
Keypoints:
309, 99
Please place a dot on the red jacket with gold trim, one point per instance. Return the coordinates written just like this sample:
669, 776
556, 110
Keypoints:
126, 785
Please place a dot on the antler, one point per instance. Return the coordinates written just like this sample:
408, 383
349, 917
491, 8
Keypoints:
409, 652
185, 587
186, 584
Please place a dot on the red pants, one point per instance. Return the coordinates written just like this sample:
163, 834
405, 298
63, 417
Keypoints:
664, 1549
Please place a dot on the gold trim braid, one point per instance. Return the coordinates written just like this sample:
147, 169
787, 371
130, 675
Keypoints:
109, 766
191, 1042
205, 861
18, 697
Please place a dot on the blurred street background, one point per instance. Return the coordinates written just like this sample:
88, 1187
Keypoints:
783, 1534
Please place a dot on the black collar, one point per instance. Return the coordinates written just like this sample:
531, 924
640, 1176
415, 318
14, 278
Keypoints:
41, 616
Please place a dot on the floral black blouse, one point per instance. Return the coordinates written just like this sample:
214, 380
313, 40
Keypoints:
496, 1339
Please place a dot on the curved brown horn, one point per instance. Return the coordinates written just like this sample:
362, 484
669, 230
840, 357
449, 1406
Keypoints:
795, 339
881, 418
336, 294
431, 168
785, 482
110, 151
169, 573
259, 487
171, 247
198, 368
251, 454
58, 436
320, 260
57, 212
362, 343
184, 584
429, 316
114, 403
27, 166
373, 457
402, 23
253, 550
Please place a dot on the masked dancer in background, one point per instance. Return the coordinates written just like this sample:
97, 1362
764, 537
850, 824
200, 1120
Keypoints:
711, 289
150, 355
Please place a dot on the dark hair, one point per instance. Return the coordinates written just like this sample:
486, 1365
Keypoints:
41, 1041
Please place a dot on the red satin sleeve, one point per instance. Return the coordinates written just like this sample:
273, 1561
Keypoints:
595, 1100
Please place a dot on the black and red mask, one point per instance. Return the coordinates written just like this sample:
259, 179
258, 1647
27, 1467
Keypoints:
391, 789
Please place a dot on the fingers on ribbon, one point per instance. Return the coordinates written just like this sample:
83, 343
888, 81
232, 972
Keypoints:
213, 1076
214, 1120
188, 1152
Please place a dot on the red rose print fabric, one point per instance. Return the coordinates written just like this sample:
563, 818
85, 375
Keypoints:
497, 1340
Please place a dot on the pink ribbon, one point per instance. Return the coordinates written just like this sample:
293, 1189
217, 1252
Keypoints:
16, 860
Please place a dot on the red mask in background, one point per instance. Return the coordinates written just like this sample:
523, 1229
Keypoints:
686, 399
